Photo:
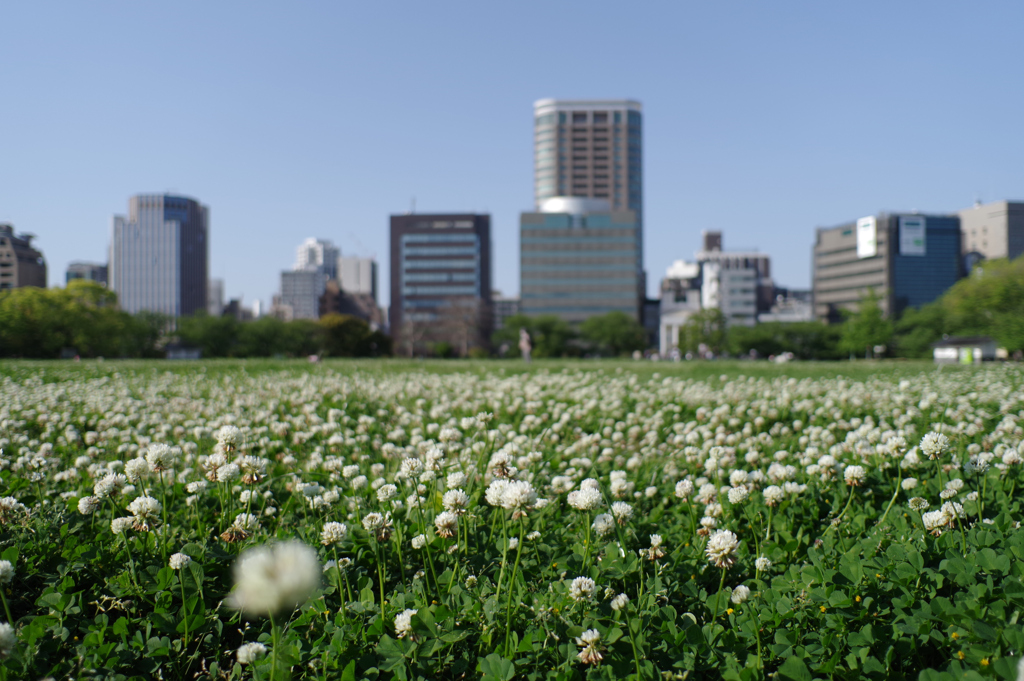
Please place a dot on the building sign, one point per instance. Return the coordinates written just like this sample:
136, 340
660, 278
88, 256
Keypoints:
867, 238
912, 235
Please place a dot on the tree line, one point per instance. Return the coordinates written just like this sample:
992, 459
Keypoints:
83, 319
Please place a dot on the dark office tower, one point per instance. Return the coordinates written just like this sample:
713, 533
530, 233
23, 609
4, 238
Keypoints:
440, 283
907, 259
21, 264
159, 255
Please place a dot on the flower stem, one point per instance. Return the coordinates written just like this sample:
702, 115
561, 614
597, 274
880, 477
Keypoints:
512, 587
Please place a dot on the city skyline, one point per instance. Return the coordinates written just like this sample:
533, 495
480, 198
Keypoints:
763, 123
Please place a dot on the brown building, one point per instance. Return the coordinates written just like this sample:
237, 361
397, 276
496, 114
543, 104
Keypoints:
440, 282
20, 263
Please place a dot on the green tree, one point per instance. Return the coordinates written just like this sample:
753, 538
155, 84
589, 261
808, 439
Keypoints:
917, 329
806, 340
614, 333
215, 336
866, 328
704, 330
550, 335
343, 335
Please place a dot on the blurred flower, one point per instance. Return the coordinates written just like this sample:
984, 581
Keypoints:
590, 642
248, 653
273, 577
179, 560
403, 623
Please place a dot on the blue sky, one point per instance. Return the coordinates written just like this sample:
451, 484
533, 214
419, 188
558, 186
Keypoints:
762, 120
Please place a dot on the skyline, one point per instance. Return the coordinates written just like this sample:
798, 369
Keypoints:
322, 121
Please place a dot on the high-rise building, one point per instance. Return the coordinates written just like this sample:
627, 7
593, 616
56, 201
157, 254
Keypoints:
440, 282
20, 263
907, 259
159, 255
993, 230
579, 258
90, 271
301, 291
358, 275
215, 297
319, 254
739, 283
589, 148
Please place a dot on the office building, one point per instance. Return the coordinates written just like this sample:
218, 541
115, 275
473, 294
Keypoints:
318, 254
358, 275
215, 297
159, 254
440, 282
20, 263
90, 271
739, 283
907, 259
589, 148
579, 258
993, 230
301, 291
680, 300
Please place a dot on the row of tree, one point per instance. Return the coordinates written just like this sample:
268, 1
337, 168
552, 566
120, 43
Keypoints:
615, 333
83, 319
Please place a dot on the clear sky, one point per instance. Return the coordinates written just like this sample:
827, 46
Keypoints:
297, 119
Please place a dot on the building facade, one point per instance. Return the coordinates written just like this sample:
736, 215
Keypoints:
993, 230
358, 275
440, 282
318, 254
907, 259
90, 271
301, 291
579, 258
504, 307
20, 263
159, 255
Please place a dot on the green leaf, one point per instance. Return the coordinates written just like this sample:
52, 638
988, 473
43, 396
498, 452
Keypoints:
496, 668
349, 673
794, 668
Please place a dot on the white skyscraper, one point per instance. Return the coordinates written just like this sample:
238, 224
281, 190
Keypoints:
159, 255
318, 254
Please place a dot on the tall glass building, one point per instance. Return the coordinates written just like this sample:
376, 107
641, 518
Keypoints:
159, 255
579, 258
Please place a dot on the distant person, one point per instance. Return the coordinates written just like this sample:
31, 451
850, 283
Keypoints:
525, 346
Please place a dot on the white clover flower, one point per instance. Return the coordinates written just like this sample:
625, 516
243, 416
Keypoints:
590, 643
455, 500
854, 475
603, 524
518, 497
447, 524
195, 487
622, 512
109, 485
956, 484
403, 623
179, 560
934, 521
273, 577
721, 548
772, 495
918, 504
953, 510
455, 480
119, 525
909, 484
387, 492
333, 533
349, 472
620, 602
160, 457
582, 589
228, 472
145, 509
419, 541
248, 653
253, 469
6, 572
737, 495
495, 491
584, 499
947, 494
684, 488
738, 478
740, 594
135, 469
934, 445
762, 563
87, 505
533, 536
8, 639
359, 482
